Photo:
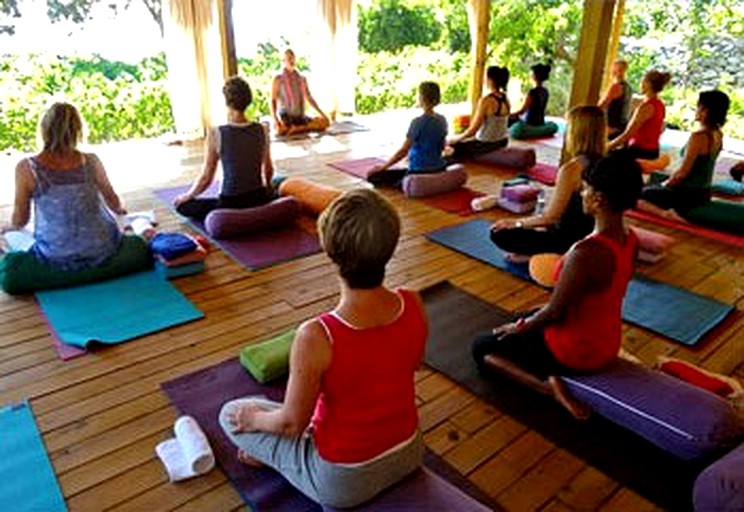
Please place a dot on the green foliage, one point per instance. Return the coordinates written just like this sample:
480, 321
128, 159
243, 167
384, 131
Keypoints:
116, 101
388, 81
390, 25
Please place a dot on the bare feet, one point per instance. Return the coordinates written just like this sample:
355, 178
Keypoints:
248, 460
563, 397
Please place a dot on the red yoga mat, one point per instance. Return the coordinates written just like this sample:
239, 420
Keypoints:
458, 201
726, 238
360, 167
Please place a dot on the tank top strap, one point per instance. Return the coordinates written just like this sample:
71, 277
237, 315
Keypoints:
38, 172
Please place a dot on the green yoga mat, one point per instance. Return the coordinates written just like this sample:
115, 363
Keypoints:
27, 480
117, 310
269, 359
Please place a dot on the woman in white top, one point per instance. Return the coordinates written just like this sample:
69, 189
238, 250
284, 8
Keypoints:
489, 130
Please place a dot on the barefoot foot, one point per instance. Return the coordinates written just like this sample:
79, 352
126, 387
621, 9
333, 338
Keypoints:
563, 397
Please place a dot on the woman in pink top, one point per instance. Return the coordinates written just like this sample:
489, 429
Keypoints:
641, 137
579, 329
348, 427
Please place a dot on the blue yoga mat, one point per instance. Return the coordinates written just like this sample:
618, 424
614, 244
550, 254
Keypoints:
116, 310
27, 480
672, 312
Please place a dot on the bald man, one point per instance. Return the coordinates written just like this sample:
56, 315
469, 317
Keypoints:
289, 92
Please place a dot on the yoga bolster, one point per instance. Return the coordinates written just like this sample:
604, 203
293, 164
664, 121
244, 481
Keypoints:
232, 222
728, 187
542, 268
22, 272
686, 421
721, 385
722, 215
520, 193
720, 487
313, 197
512, 158
658, 164
423, 185
269, 359
651, 241
522, 130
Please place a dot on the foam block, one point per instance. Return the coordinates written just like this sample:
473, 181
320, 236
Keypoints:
313, 197
682, 419
515, 207
520, 193
424, 185
22, 272
512, 158
230, 223
722, 215
268, 360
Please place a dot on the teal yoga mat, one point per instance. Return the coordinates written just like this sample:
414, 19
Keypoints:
672, 312
117, 310
27, 480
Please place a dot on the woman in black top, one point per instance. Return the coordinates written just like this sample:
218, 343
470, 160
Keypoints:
529, 121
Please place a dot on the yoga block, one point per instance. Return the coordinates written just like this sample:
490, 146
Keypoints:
269, 359
313, 197
522, 130
175, 271
520, 193
688, 422
22, 272
722, 215
720, 487
423, 185
515, 207
230, 222
513, 158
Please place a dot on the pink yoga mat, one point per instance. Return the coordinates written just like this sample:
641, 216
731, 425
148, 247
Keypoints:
726, 238
359, 167
257, 250
555, 141
544, 173
457, 201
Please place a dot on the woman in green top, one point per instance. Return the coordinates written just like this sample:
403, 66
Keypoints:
689, 186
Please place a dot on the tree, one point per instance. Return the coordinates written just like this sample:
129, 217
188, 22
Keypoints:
76, 11
390, 25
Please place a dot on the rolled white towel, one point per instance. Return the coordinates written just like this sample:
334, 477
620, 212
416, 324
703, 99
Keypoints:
479, 204
188, 454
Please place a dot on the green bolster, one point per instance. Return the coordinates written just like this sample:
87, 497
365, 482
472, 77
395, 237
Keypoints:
722, 215
269, 359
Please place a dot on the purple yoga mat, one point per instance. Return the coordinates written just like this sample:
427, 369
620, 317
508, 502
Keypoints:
202, 394
359, 167
256, 250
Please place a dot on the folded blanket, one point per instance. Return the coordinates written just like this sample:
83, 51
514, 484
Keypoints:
269, 359
515, 207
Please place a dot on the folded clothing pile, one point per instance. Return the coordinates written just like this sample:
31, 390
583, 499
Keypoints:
178, 254
519, 198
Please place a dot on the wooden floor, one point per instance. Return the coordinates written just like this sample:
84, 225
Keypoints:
102, 415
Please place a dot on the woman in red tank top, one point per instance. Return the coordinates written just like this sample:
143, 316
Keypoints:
579, 329
348, 427
641, 137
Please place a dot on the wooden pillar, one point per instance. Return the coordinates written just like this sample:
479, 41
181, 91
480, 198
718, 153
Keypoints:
227, 38
592, 55
617, 30
479, 17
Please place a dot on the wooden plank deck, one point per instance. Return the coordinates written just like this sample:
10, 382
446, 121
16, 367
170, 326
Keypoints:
102, 415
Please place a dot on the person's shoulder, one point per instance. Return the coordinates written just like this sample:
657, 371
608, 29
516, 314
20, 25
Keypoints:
592, 249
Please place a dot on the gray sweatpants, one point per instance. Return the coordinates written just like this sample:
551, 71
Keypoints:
334, 485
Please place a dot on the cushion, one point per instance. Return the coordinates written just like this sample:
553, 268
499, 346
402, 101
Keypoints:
721, 385
658, 164
520, 193
269, 359
514, 207
682, 419
232, 222
720, 487
652, 242
513, 158
172, 245
22, 272
522, 130
716, 214
542, 268
728, 187
313, 197
423, 185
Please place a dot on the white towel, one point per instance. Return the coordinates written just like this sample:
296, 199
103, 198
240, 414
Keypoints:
188, 454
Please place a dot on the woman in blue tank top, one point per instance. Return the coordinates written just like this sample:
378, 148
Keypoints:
243, 148
72, 198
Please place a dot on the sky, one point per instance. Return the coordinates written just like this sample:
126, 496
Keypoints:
110, 35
